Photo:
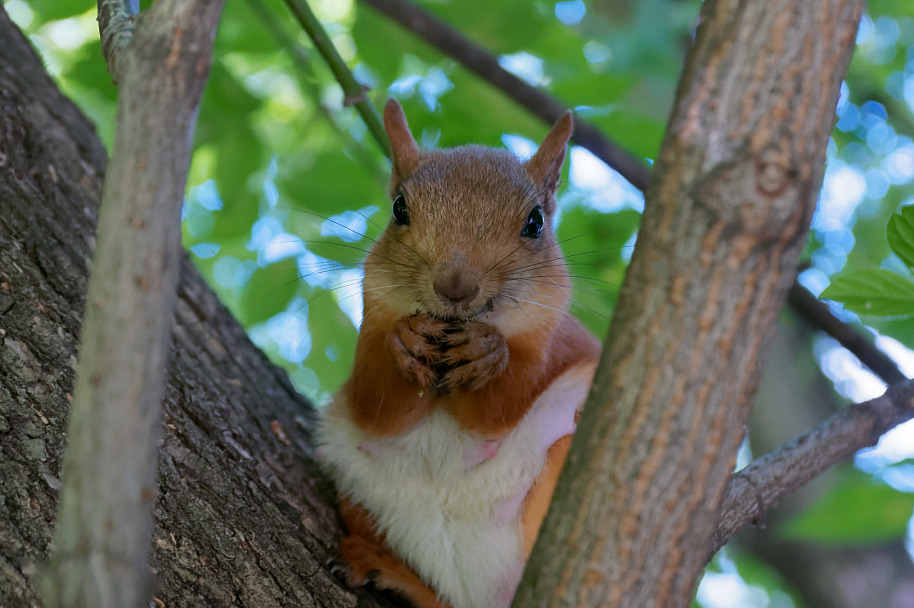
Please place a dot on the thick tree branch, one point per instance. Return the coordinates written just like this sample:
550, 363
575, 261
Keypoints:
116, 20
105, 518
757, 488
353, 90
485, 65
725, 219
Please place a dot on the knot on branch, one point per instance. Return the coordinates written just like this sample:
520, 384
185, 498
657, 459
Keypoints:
116, 23
356, 98
760, 194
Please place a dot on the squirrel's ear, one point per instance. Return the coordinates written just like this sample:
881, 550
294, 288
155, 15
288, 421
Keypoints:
546, 165
404, 150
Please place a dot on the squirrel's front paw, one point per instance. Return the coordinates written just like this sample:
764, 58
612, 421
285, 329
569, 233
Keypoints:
414, 344
473, 356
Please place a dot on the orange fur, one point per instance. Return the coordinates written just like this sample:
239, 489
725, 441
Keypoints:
537, 357
380, 399
369, 558
540, 496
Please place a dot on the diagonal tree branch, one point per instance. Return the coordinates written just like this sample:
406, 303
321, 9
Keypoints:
758, 487
307, 80
102, 541
725, 220
485, 65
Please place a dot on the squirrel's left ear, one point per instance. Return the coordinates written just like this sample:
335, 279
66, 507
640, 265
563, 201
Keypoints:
546, 165
404, 150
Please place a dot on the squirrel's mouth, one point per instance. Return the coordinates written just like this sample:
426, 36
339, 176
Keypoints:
457, 315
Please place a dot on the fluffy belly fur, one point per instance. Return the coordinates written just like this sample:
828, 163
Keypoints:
448, 501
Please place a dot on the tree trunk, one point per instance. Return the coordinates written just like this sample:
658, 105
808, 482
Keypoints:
243, 517
725, 219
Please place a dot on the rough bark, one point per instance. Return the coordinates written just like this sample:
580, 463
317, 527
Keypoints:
242, 516
725, 219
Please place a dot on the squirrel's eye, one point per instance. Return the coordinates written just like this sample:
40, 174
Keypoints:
401, 212
534, 225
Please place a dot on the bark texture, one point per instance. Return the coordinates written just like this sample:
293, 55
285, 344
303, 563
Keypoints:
242, 515
725, 219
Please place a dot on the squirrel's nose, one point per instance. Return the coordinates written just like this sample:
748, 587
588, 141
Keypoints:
456, 286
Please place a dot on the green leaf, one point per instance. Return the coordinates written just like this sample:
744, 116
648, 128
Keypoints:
900, 234
875, 291
858, 510
269, 291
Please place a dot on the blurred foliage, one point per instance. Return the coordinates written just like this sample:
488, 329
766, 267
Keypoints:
286, 191
857, 510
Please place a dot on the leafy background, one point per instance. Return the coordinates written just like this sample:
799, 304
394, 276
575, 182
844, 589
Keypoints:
287, 189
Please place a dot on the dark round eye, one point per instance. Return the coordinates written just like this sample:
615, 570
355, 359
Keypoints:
534, 224
401, 211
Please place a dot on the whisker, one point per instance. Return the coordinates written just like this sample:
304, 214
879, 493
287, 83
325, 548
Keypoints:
364, 291
535, 303
332, 221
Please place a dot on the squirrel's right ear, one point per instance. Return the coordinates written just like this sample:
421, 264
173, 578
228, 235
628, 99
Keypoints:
404, 150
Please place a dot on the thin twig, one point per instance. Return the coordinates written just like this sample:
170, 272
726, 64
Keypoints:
353, 90
116, 20
456, 46
307, 81
758, 487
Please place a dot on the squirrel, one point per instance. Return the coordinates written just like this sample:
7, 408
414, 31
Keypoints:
447, 440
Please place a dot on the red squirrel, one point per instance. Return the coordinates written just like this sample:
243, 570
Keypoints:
447, 440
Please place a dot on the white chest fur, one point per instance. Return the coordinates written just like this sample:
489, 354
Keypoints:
448, 502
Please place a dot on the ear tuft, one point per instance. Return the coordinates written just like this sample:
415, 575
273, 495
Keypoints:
404, 150
546, 165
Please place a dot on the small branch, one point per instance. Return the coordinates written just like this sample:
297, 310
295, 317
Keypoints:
101, 544
353, 90
751, 492
485, 65
116, 20
816, 313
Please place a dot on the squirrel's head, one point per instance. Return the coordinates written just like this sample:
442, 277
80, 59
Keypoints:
471, 232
